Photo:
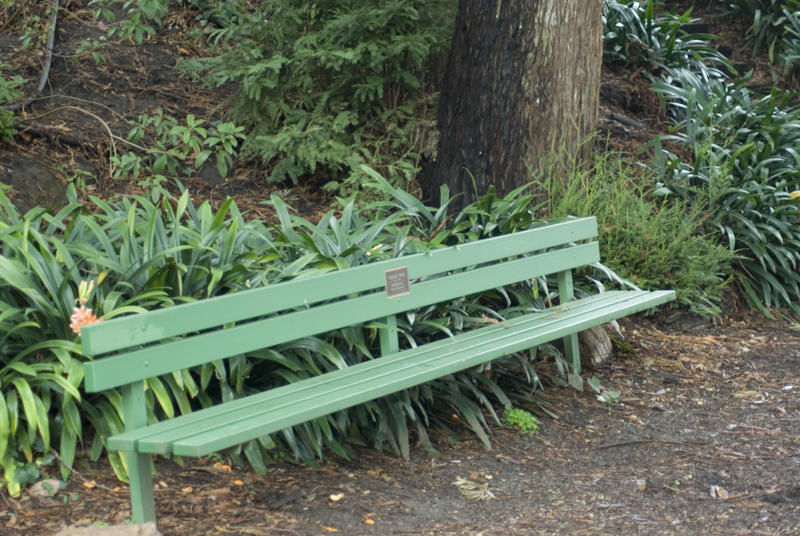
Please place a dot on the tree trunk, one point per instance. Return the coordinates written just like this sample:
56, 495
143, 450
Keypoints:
521, 86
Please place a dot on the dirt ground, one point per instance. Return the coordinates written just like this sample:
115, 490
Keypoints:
705, 440
87, 109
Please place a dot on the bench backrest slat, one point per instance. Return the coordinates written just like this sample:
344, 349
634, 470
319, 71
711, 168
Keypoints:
201, 348
135, 330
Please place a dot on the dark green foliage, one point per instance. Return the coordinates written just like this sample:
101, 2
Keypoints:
637, 35
790, 51
176, 148
328, 85
768, 19
774, 29
745, 167
654, 243
9, 93
743, 162
142, 253
137, 20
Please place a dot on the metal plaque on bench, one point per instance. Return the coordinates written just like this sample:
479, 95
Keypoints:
397, 283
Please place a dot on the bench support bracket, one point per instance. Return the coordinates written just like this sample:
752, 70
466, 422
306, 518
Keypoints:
388, 336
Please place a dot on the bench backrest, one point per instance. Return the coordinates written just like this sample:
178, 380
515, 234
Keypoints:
232, 324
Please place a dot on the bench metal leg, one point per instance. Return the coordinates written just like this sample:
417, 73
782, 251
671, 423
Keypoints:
571, 352
143, 506
134, 407
566, 294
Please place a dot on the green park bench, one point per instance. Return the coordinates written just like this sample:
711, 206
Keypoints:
128, 350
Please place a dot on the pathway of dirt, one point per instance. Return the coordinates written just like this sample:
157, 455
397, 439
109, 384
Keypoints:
705, 440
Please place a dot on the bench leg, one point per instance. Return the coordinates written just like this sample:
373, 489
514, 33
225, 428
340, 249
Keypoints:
143, 507
134, 408
566, 293
572, 352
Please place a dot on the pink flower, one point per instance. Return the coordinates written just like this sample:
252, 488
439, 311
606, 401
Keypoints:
81, 316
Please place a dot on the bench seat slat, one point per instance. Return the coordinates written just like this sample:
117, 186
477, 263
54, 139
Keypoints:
127, 331
222, 426
119, 369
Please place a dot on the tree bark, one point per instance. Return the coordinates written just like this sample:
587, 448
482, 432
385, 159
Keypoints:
520, 94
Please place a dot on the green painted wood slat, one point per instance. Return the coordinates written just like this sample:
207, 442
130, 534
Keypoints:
271, 411
134, 330
164, 358
413, 373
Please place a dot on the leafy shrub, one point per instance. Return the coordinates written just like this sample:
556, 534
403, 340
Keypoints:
604, 395
137, 19
177, 147
636, 36
744, 167
653, 243
9, 93
768, 19
38, 377
521, 419
774, 27
142, 254
790, 55
327, 85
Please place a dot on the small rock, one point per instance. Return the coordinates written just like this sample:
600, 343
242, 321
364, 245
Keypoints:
210, 173
717, 492
595, 347
45, 488
148, 529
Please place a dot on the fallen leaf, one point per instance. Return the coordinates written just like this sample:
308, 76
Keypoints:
331, 529
336, 497
90, 484
216, 492
473, 490
187, 489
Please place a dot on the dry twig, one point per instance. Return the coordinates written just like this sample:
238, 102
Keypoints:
649, 440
